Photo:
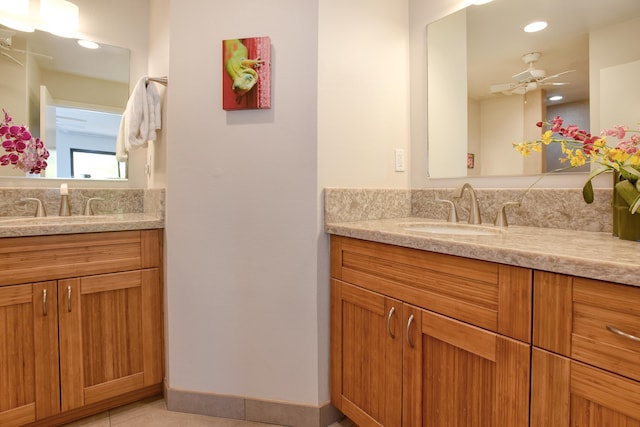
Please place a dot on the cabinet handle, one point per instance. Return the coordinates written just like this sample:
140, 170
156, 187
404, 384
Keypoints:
622, 334
409, 322
69, 298
44, 302
391, 334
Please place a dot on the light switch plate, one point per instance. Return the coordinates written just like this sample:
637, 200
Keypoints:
399, 156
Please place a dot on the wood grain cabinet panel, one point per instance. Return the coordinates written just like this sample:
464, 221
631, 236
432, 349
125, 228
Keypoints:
589, 320
585, 367
416, 338
86, 340
568, 393
29, 384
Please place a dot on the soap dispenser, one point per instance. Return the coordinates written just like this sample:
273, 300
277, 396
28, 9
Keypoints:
65, 209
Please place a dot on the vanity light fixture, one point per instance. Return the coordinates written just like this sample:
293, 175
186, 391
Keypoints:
88, 44
14, 14
555, 98
59, 17
535, 26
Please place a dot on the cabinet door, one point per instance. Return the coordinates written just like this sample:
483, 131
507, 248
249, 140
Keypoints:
569, 393
460, 375
366, 355
29, 385
110, 335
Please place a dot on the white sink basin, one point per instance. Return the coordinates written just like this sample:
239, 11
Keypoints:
453, 228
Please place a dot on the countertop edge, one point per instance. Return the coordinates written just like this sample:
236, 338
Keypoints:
123, 222
594, 255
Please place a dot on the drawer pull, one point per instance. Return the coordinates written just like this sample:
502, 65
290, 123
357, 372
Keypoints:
391, 334
69, 298
622, 334
409, 322
44, 302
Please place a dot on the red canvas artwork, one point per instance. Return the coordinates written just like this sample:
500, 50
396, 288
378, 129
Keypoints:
246, 73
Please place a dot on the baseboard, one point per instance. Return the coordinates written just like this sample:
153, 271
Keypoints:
256, 410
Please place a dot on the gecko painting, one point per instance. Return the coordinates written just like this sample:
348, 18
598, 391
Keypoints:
246, 73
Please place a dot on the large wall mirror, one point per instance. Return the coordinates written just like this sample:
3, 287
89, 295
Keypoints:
70, 96
489, 82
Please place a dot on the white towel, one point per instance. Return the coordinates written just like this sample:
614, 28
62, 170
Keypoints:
140, 120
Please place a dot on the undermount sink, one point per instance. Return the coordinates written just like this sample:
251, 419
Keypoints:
46, 220
452, 228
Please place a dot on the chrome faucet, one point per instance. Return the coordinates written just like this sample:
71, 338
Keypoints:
88, 207
474, 208
40, 210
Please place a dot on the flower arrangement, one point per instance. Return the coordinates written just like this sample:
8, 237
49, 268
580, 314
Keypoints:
580, 147
22, 150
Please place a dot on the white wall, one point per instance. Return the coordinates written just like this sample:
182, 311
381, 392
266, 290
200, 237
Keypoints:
363, 81
601, 56
421, 13
247, 259
242, 210
447, 105
495, 130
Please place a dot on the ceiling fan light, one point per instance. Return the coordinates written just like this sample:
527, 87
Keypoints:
88, 44
535, 26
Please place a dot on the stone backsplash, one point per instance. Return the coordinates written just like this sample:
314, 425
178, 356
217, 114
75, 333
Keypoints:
540, 207
116, 201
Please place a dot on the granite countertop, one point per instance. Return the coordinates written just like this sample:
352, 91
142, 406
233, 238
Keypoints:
30, 226
595, 255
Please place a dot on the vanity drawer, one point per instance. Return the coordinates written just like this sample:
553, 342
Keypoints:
39, 258
598, 322
489, 295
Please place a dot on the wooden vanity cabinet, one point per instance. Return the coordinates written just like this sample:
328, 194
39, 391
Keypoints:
88, 339
585, 370
426, 339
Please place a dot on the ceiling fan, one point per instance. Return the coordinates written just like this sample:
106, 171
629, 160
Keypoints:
6, 46
528, 80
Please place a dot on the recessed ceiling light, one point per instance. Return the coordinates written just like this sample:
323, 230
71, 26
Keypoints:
535, 26
88, 44
555, 98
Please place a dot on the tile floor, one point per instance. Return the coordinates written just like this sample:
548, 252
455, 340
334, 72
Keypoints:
153, 413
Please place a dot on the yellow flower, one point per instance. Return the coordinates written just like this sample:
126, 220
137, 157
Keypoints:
523, 148
600, 143
578, 159
618, 155
546, 137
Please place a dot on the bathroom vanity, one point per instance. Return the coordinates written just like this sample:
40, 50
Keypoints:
81, 315
524, 325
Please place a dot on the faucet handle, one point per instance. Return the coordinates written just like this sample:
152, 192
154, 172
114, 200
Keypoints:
453, 213
501, 217
40, 210
88, 208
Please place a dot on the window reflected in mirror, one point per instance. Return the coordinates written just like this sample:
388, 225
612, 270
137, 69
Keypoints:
65, 94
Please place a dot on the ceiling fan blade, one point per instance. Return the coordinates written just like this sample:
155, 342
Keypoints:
553, 83
557, 75
12, 58
523, 75
500, 88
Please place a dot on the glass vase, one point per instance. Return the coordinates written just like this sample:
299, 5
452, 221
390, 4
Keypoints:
626, 225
